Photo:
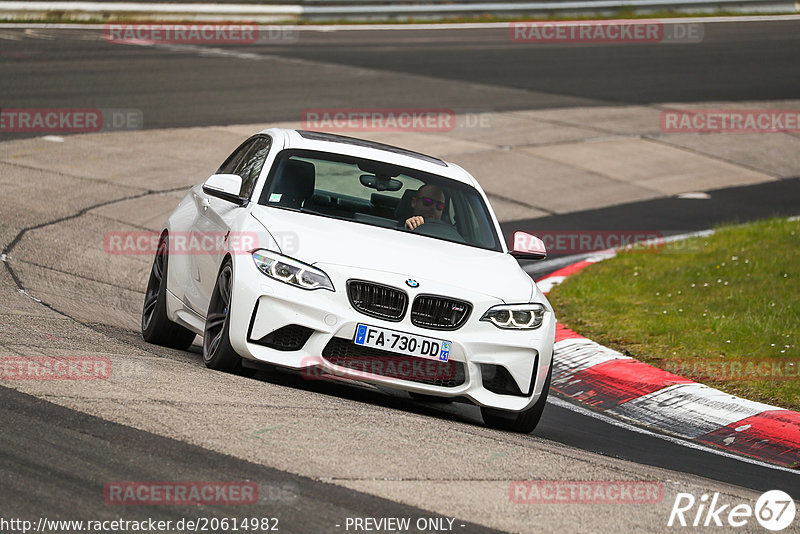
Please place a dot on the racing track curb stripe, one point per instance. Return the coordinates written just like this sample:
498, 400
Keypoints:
756, 436
609, 381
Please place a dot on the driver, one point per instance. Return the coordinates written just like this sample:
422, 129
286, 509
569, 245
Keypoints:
427, 204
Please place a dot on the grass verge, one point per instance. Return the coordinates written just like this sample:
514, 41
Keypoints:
723, 310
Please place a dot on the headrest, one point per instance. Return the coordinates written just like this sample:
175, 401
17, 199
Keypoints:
297, 180
404, 210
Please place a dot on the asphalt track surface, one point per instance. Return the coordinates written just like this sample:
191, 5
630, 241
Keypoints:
197, 87
673, 215
734, 62
76, 455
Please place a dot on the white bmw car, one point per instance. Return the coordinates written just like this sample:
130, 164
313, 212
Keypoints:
341, 257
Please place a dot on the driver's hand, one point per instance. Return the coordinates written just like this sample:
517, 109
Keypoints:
413, 222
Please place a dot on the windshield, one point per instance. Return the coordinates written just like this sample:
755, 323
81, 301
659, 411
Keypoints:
379, 194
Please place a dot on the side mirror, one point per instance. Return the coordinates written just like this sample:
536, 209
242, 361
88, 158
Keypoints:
528, 247
226, 187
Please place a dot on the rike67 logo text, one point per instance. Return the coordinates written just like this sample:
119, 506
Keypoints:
774, 510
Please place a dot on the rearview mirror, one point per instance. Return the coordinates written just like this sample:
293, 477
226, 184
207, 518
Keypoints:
528, 247
379, 168
226, 187
381, 183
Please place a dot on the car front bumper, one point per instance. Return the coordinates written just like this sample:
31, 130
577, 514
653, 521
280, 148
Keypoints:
262, 305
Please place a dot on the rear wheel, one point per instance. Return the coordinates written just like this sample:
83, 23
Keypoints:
525, 421
218, 354
156, 326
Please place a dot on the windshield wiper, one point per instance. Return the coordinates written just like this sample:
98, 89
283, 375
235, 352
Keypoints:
309, 212
314, 212
298, 210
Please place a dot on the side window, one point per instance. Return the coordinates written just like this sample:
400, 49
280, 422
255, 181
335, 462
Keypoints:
252, 164
476, 217
234, 160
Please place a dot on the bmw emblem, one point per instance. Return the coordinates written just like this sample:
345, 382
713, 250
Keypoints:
412, 283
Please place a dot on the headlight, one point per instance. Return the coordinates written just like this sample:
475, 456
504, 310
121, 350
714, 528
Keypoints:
291, 271
516, 316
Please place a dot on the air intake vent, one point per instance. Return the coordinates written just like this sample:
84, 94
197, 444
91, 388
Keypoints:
376, 300
287, 338
439, 313
345, 353
497, 379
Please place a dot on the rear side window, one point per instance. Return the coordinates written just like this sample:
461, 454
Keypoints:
247, 162
235, 159
252, 164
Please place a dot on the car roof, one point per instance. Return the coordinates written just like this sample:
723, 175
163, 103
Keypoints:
352, 146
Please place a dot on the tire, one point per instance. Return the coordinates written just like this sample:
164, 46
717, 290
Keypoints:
218, 354
524, 422
156, 327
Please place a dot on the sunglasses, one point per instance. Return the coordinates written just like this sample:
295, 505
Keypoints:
429, 202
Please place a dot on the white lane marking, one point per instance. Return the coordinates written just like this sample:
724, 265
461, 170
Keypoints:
36, 34
689, 410
136, 42
577, 354
201, 50
695, 195
546, 284
432, 25
11, 36
561, 403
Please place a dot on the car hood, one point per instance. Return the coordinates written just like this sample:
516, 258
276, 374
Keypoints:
316, 239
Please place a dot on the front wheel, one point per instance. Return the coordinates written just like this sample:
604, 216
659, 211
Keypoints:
218, 354
524, 422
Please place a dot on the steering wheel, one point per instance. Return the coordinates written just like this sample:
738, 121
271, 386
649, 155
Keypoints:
439, 228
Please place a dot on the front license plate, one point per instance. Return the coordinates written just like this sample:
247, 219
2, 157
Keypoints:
410, 344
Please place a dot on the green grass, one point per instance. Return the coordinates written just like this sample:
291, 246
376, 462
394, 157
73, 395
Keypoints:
692, 305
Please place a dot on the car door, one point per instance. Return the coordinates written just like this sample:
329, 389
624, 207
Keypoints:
216, 218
